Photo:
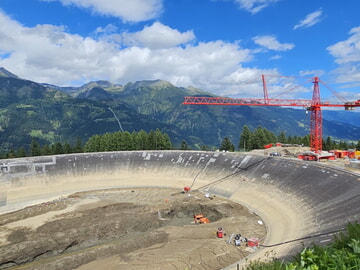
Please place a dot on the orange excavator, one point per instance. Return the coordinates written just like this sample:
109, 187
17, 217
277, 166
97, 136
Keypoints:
200, 219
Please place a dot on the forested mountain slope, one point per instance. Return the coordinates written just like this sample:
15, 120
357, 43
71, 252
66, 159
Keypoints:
51, 114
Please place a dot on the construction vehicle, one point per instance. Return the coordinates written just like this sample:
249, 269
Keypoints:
200, 219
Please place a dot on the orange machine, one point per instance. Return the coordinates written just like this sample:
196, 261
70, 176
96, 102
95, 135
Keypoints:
201, 219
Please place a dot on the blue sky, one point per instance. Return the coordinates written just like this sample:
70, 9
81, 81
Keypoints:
221, 46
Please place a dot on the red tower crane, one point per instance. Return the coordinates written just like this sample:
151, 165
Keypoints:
313, 106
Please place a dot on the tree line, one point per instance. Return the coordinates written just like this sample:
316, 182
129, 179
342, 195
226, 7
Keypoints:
157, 140
116, 141
259, 137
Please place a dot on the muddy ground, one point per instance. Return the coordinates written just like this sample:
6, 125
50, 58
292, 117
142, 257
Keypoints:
138, 228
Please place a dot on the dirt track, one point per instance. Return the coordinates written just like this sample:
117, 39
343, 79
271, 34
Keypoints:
138, 228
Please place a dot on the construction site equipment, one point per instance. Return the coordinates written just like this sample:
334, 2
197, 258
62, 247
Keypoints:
238, 240
219, 233
200, 219
351, 153
268, 146
313, 106
312, 156
253, 242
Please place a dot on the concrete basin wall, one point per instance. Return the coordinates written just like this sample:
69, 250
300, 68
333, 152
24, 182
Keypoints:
294, 198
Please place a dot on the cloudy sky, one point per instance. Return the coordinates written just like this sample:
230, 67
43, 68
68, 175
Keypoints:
221, 46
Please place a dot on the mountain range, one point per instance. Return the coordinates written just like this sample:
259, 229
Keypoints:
51, 113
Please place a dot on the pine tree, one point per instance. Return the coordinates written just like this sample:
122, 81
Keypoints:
93, 144
11, 154
357, 146
306, 140
282, 137
35, 149
204, 148
67, 149
21, 152
245, 139
227, 145
78, 147
127, 141
328, 144
141, 140
167, 142
269, 136
46, 150
258, 141
159, 142
183, 146
57, 149
151, 145
343, 145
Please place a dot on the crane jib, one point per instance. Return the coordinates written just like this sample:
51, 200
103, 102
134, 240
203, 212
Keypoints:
264, 102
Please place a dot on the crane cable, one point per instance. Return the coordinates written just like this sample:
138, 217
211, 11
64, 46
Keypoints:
238, 170
198, 175
222, 179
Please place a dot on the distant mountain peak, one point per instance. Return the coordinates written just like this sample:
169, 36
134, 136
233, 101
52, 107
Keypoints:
196, 91
100, 83
151, 83
95, 93
5, 73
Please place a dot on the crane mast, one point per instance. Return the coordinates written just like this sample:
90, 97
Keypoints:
313, 106
316, 119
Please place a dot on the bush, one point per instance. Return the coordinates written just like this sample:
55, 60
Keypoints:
342, 254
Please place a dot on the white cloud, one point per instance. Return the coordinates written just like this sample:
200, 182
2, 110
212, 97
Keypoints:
158, 36
203, 66
349, 50
271, 43
48, 53
127, 10
254, 6
275, 57
347, 55
317, 72
310, 20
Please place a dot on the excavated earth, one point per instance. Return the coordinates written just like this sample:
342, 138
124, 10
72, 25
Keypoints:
126, 210
139, 228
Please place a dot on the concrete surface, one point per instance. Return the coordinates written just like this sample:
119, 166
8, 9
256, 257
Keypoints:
294, 198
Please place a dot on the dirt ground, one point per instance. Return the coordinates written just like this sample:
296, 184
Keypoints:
137, 228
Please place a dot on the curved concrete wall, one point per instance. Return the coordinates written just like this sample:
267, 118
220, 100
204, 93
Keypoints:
294, 198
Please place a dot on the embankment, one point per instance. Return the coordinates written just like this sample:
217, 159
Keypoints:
294, 198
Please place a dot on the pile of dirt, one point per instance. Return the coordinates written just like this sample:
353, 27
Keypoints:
142, 228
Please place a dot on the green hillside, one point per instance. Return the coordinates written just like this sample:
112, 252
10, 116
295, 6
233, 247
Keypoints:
52, 114
29, 110
202, 124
